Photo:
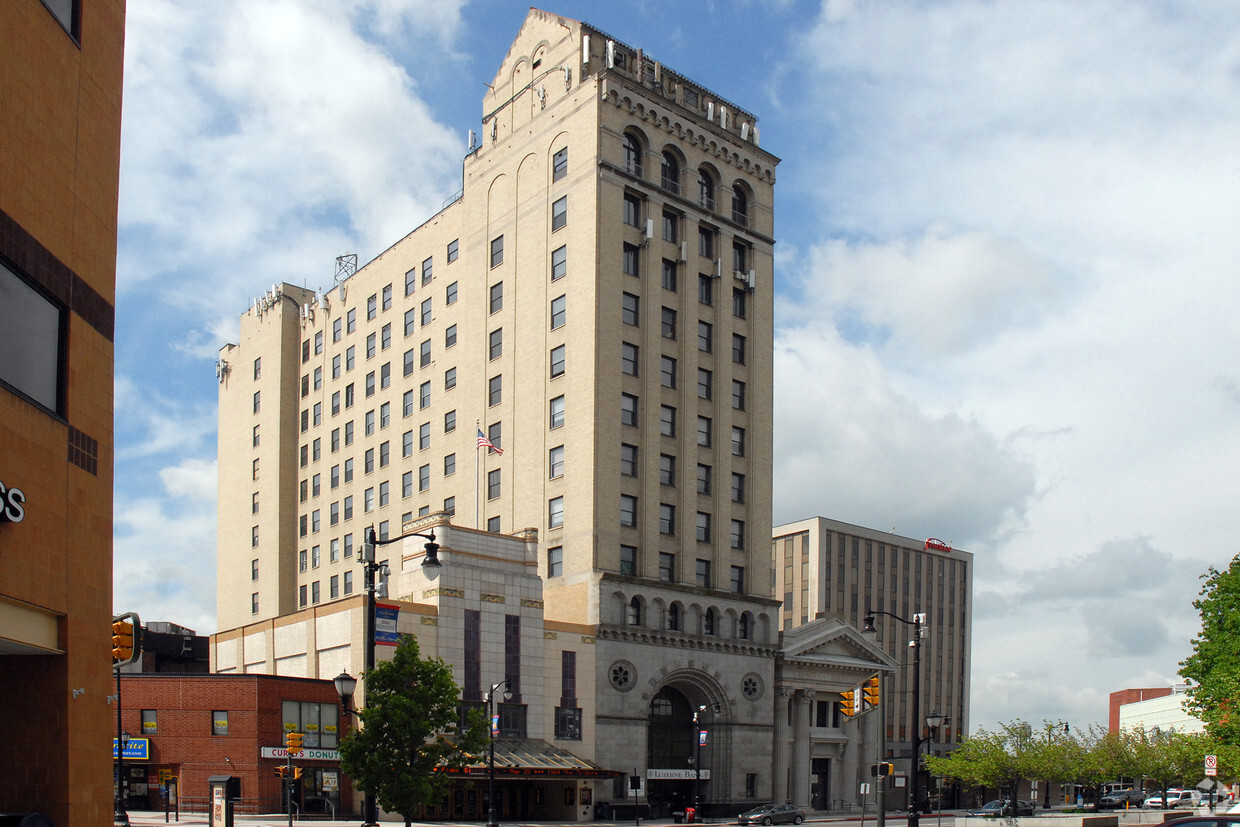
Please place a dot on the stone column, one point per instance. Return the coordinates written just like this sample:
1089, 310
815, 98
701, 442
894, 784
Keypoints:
779, 769
800, 753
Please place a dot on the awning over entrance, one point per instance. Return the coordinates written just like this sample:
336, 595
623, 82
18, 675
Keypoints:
530, 757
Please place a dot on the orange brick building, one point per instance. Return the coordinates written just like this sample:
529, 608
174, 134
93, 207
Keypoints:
196, 726
61, 65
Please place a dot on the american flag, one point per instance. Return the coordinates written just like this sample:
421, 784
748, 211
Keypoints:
483, 441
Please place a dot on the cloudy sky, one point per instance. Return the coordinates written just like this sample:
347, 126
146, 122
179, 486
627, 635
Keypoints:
1006, 275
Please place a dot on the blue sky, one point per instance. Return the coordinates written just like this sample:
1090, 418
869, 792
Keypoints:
1006, 262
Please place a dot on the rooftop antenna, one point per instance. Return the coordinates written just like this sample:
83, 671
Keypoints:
346, 265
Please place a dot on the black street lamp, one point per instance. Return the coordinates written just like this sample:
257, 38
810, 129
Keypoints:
1050, 732
430, 567
492, 821
933, 721
919, 630
346, 685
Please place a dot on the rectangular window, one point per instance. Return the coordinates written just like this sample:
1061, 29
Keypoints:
497, 297
495, 343
495, 433
557, 412
628, 409
628, 560
632, 210
706, 242
559, 263
704, 431
450, 294
493, 484
385, 453
495, 390
368, 500
385, 415
337, 329
703, 479
497, 251
628, 510
738, 488
667, 371
629, 260
349, 354
555, 561
350, 322
406, 484
348, 583
630, 309
667, 519
706, 289
370, 384
702, 572
303, 559
449, 379
628, 358
449, 336
334, 512
454, 250
671, 227
370, 422
669, 275
738, 302
706, 337
738, 394
336, 366
449, 422
411, 280
559, 164
738, 441
555, 462
449, 465
667, 567
449, 506
407, 404
559, 213
335, 440
667, 469
628, 460
334, 588
706, 382
424, 354
738, 349
387, 297
149, 722
557, 361
301, 596
558, 311
318, 378
424, 395
411, 321
257, 399
424, 477
426, 316
667, 420
738, 534
315, 592
668, 323
372, 345
555, 512
258, 367
427, 270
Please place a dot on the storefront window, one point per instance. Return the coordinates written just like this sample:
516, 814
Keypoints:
219, 722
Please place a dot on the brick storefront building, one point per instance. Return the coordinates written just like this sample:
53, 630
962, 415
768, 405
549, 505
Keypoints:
196, 726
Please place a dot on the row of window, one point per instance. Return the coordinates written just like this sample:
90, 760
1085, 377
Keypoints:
670, 165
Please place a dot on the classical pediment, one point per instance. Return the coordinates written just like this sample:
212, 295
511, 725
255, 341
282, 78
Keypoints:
829, 641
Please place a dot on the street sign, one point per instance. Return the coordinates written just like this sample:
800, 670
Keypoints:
1211, 765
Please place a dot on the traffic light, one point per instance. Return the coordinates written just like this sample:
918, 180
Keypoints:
848, 702
126, 639
869, 692
296, 773
282, 771
886, 768
292, 742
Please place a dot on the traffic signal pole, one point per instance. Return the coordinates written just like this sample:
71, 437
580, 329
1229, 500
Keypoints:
880, 783
120, 818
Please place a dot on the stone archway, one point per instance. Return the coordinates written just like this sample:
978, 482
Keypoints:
678, 765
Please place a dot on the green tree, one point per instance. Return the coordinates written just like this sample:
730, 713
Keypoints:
409, 730
1214, 666
1001, 759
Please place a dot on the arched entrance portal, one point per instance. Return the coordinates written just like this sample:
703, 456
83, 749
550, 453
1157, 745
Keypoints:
673, 751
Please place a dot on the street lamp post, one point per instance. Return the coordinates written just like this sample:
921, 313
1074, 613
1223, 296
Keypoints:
919, 629
346, 685
492, 821
697, 760
1050, 732
933, 721
430, 567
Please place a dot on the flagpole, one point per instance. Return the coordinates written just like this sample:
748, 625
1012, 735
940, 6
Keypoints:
477, 478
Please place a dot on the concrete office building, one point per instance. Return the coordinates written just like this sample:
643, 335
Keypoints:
599, 301
824, 568
60, 83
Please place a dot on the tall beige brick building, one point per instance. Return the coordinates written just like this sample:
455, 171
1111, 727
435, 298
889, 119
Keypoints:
598, 302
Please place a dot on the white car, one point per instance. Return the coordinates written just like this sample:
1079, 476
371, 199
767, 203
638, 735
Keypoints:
1175, 798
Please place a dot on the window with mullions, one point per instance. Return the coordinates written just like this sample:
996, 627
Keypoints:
628, 358
628, 409
497, 251
738, 302
630, 309
738, 349
387, 297
372, 306
629, 260
555, 462
628, 510
669, 275
706, 384
558, 361
632, 210
670, 173
454, 249
557, 412
706, 289
667, 420
559, 263
671, 227
667, 519
667, 567
497, 297
427, 270
411, 280
628, 560
511, 720
668, 323
632, 154
558, 311
316, 722
559, 213
559, 164
567, 723
706, 242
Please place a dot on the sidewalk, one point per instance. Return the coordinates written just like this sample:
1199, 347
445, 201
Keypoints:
141, 818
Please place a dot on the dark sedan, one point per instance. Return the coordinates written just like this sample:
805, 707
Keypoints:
1004, 807
1122, 798
772, 814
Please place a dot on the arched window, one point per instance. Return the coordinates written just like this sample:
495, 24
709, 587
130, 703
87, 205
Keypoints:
745, 629
632, 154
706, 190
740, 205
635, 612
673, 617
670, 172
708, 622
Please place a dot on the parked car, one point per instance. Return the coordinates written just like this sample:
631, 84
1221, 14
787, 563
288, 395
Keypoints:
1003, 807
772, 814
1175, 798
1121, 799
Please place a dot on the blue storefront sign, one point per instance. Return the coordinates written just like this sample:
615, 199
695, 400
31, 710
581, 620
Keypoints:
136, 748
385, 624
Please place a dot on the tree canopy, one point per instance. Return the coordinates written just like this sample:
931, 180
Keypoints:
409, 729
1214, 666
